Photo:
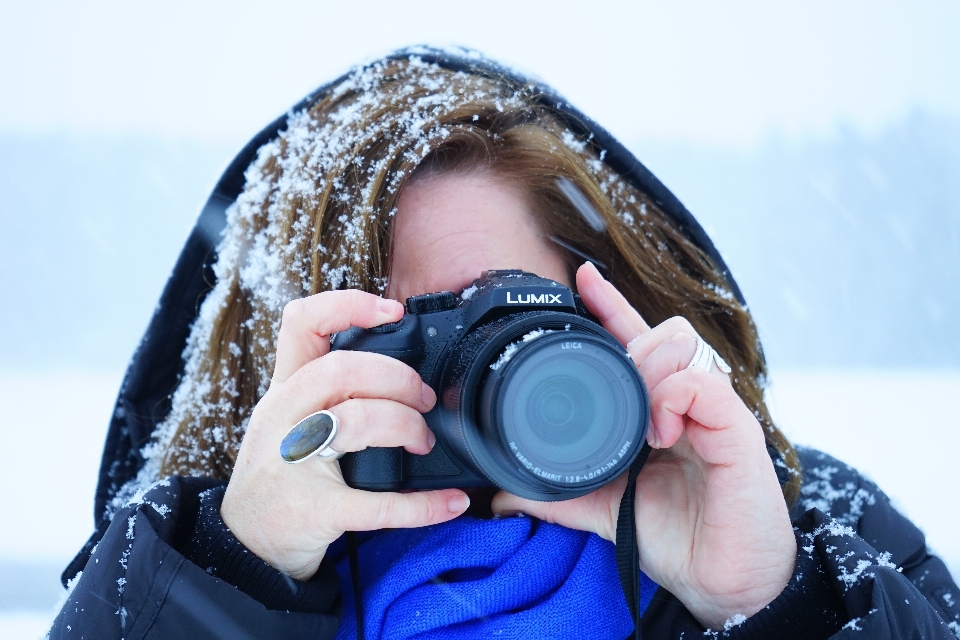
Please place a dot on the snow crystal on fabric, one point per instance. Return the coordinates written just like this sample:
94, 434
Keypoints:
845, 501
735, 620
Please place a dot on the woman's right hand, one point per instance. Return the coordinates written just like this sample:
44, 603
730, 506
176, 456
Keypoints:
288, 514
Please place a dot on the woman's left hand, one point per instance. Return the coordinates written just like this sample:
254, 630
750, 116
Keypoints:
712, 525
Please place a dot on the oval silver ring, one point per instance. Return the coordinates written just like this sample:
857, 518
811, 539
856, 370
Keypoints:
311, 437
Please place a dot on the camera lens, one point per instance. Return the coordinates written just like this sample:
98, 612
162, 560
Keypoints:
554, 408
566, 408
545, 405
558, 409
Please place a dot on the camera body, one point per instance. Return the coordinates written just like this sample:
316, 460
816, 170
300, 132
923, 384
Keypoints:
534, 397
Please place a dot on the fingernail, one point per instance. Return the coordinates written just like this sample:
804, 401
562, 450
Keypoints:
388, 306
427, 395
652, 439
458, 503
431, 439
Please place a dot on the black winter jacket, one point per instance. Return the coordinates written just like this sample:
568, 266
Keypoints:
863, 571
164, 565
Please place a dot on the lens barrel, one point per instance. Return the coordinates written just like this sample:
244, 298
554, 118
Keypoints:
549, 405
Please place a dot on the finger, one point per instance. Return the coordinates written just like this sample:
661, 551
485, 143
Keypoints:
308, 322
380, 423
342, 375
670, 356
368, 511
609, 306
645, 343
595, 512
717, 423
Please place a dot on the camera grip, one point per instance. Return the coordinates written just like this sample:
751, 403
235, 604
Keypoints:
373, 469
400, 340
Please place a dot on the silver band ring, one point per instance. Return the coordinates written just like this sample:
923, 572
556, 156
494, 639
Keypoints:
311, 437
706, 356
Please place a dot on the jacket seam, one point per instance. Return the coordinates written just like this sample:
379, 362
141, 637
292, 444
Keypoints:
158, 592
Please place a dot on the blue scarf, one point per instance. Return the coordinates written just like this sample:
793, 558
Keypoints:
505, 578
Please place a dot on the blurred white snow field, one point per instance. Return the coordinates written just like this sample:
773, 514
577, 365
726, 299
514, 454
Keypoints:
900, 429
52, 427
895, 426
23, 626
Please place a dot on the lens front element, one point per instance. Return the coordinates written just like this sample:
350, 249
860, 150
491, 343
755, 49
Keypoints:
567, 407
559, 408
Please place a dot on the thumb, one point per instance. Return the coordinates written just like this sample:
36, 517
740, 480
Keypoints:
595, 512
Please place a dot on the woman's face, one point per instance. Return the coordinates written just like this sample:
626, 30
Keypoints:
450, 228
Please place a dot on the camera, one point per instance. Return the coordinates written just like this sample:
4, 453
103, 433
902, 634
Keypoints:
533, 395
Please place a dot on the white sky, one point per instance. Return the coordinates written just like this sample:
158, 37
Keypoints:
701, 71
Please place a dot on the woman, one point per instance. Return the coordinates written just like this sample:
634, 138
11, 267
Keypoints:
411, 175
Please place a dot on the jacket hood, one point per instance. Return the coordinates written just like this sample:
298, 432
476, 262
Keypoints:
157, 365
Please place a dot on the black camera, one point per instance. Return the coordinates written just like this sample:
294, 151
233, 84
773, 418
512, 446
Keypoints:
534, 397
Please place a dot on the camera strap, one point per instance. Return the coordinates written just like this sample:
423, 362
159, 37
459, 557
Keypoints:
628, 551
354, 555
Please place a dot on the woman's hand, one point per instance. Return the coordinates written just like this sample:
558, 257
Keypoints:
712, 525
287, 514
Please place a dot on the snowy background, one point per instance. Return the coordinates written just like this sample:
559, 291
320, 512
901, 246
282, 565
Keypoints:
819, 145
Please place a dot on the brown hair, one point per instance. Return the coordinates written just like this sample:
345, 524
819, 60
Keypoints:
315, 215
